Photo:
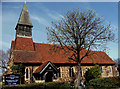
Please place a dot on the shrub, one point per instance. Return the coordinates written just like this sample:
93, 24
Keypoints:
113, 82
57, 85
49, 85
20, 70
92, 73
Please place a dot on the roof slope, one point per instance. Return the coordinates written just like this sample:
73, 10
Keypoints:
49, 52
25, 44
41, 67
24, 17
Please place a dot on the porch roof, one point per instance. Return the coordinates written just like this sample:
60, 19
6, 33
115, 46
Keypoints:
43, 66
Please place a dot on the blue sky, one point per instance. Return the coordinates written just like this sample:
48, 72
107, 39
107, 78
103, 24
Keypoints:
42, 13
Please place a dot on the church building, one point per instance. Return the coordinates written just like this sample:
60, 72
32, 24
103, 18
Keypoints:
43, 64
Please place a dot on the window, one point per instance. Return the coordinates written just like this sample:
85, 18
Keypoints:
59, 73
27, 73
110, 68
21, 28
101, 69
50, 67
71, 72
27, 29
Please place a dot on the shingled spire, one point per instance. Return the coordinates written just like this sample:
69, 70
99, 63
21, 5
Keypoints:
24, 25
24, 17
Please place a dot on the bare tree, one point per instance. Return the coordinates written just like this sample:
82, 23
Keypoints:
117, 61
80, 31
4, 58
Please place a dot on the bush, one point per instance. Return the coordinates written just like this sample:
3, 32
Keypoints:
20, 70
49, 85
57, 85
113, 82
92, 73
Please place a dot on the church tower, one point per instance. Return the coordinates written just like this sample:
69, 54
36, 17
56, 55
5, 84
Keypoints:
23, 39
24, 25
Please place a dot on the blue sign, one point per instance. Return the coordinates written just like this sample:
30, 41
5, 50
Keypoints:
12, 79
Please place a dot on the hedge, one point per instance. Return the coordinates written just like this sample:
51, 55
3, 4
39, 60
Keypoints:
92, 73
49, 85
111, 82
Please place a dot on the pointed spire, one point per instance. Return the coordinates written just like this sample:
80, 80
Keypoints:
24, 18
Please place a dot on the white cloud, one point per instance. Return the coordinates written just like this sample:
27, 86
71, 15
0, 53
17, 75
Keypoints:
61, 16
56, 16
39, 20
52, 16
51, 13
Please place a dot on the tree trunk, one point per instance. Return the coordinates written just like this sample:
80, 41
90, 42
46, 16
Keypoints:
78, 78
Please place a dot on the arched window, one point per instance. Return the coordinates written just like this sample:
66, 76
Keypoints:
59, 73
101, 69
110, 68
27, 73
71, 72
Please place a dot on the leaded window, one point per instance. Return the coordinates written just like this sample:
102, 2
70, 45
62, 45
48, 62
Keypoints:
27, 73
59, 72
71, 72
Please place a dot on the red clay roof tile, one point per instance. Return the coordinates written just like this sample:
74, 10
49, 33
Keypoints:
25, 44
40, 53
